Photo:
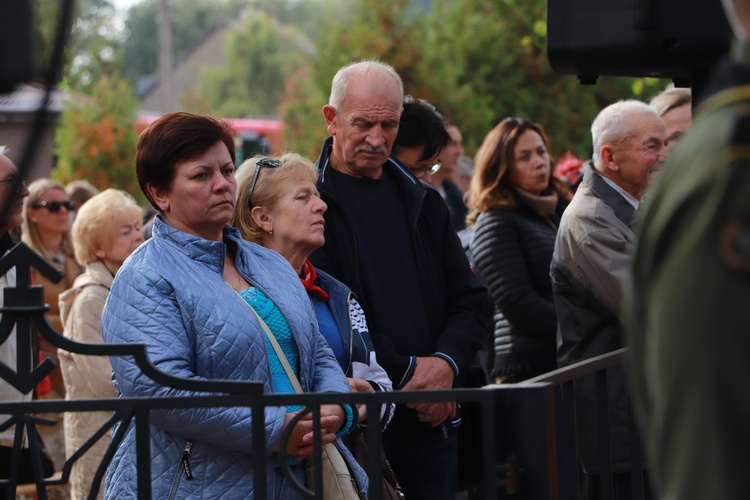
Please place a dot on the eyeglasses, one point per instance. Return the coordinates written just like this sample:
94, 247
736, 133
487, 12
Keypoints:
17, 185
263, 162
421, 171
55, 206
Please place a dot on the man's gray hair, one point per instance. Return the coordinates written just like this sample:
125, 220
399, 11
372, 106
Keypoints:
374, 69
670, 98
613, 125
3, 150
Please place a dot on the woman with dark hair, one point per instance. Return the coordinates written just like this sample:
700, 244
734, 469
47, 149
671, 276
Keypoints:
183, 294
516, 206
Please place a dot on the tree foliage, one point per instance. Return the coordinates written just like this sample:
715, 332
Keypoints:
192, 21
372, 30
96, 140
93, 44
477, 61
261, 56
491, 60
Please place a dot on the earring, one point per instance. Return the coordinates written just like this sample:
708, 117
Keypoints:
270, 232
33, 220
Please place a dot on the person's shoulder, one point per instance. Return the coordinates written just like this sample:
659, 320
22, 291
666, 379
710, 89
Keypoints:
496, 216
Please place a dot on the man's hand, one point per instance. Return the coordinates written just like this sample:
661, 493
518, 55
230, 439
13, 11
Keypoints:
432, 373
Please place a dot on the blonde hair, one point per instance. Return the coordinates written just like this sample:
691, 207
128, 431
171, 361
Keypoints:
669, 99
29, 230
266, 192
94, 225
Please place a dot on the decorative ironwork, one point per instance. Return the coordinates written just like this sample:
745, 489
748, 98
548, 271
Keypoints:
523, 462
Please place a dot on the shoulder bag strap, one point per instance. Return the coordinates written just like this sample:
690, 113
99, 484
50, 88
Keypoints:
276, 347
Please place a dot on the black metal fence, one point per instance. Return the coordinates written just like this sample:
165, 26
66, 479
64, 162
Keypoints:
526, 444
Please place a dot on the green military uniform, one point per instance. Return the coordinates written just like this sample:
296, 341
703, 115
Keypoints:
689, 304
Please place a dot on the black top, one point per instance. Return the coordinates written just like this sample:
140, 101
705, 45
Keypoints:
512, 250
382, 236
457, 306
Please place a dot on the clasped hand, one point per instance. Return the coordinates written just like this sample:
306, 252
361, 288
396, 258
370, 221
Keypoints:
432, 373
300, 443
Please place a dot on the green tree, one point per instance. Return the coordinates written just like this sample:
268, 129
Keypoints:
477, 61
489, 61
309, 16
374, 30
192, 21
261, 56
93, 45
96, 140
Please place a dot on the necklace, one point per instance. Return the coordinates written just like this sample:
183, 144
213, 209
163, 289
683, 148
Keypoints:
235, 271
239, 283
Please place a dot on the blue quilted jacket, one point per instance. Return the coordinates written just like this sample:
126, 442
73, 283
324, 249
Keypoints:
171, 295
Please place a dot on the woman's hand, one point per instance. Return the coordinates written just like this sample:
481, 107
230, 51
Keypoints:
359, 385
336, 410
300, 443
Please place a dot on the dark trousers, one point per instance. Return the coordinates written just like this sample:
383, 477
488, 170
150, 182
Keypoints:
424, 458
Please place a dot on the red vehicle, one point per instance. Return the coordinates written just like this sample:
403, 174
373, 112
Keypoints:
253, 135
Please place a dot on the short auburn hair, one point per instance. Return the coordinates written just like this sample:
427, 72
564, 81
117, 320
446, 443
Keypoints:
174, 138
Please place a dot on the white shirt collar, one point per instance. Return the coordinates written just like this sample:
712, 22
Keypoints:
628, 197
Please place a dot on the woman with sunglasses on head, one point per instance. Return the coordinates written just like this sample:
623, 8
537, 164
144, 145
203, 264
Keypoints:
516, 206
278, 207
46, 229
198, 295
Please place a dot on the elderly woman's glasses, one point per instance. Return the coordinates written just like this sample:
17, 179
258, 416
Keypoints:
55, 206
263, 162
17, 185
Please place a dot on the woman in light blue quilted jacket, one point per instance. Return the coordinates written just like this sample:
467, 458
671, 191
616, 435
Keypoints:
187, 294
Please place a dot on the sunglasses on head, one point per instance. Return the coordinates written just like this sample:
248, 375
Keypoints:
263, 162
17, 185
55, 206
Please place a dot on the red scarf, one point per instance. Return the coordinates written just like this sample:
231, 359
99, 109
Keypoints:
308, 279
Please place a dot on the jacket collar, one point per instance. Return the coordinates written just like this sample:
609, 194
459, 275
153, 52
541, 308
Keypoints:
199, 249
391, 165
598, 186
98, 273
412, 189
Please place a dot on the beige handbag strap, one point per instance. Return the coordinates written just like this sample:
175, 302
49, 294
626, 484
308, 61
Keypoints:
277, 348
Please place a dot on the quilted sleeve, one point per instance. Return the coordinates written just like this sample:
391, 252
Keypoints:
142, 309
505, 266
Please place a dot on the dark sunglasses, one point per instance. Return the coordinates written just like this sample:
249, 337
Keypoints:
263, 162
55, 206
17, 185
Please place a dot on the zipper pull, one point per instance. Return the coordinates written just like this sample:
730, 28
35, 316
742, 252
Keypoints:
185, 457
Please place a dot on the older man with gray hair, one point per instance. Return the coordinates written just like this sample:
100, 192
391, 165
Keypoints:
389, 237
591, 261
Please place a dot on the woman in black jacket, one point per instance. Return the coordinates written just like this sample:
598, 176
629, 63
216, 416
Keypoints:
516, 206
